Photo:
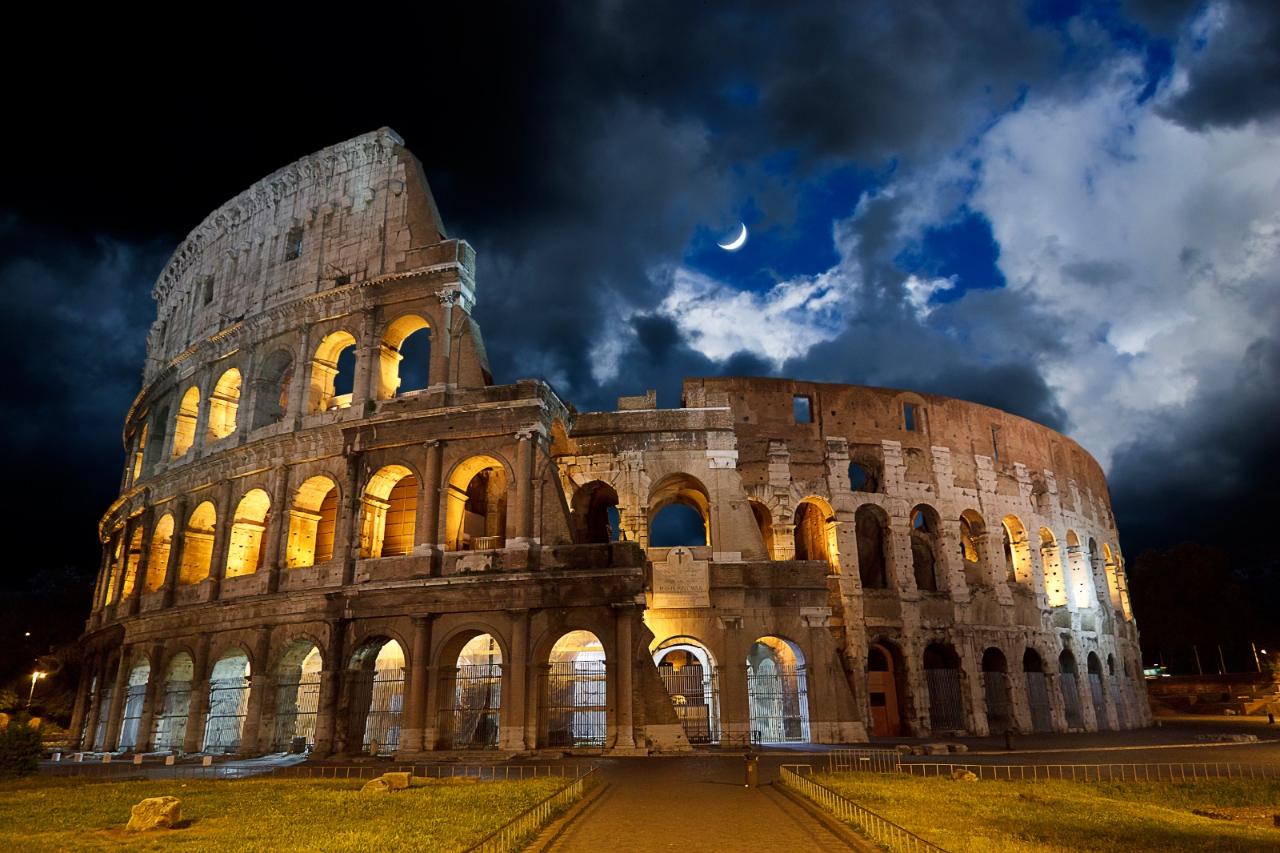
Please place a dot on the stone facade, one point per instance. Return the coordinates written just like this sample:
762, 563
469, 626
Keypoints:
291, 564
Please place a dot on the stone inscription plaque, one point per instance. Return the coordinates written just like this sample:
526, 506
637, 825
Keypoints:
681, 581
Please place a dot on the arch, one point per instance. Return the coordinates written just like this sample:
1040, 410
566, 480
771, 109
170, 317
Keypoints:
884, 676
815, 533
184, 423
224, 405
476, 510
390, 513
329, 379
471, 692
271, 389
925, 550
170, 721
595, 512
228, 702
139, 453
297, 697
679, 527
402, 337
575, 693
687, 669
1079, 575
1055, 585
1069, 683
777, 691
132, 559
134, 697
245, 553
973, 547
1017, 553
1037, 691
996, 691
1097, 690
764, 521
870, 525
376, 697
946, 697
158, 555
313, 520
197, 544
156, 443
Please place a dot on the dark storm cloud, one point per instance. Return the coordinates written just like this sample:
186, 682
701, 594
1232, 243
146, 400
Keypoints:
1235, 77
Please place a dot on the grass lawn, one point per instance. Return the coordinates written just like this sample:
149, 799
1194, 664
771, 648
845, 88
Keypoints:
69, 814
1077, 816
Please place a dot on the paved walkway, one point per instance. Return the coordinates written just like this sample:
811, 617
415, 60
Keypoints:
660, 804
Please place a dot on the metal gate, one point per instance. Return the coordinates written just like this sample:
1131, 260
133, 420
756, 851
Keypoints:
228, 701
134, 696
297, 700
779, 702
171, 722
999, 710
473, 695
1071, 700
1122, 705
946, 705
695, 696
575, 695
385, 689
1099, 700
1038, 700
104, 710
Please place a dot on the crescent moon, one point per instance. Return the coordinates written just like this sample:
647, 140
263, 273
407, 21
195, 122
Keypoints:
737, 242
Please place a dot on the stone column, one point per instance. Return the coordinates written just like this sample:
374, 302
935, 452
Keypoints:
513, 734
277, 527
259, 687
95, 703
83, 701
116, 710
148, 522
221, 539
416, 689
428, 524
447, 299
153, 695
199, 702
346, 539
526, 452
625, 657
364, 386
330, 682
176, 544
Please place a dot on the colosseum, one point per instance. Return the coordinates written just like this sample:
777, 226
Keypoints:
337, 535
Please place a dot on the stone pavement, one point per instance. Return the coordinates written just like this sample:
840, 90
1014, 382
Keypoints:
660, 804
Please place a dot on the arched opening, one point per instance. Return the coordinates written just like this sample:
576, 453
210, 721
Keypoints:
471, 695
870, 524
376, 696
815, 533
883, 674
171, 717
575, 693
1067, 680
158, 556
1121, 702
313, 519
224, 405
689, 674
404, 357
1079, 576
595, 512
862, 478
139, 453
1097, 691
115, 568
679, 513
1017, 553
297, 698
155, 443
925, 551
1037, 691
245, 553
476, 513
134, 698
271, 389
133, 557
184, 424
197, 544
390, 513
1055, 585
764, 521
228, 702
946, 697
333, 373
777, 692
973, 548
995, 688
105, 691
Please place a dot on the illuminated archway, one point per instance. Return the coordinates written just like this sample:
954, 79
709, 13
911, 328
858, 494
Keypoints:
134, 698
1017, 551
297, 697
197, 544
171, 717
390, 513
244, 552
926, 553
575, 692
376, 696
158, 556
815, 533
402, 338
332, 381
184, 424
476, 512
224, 405
777, 692
689, 673
313, 519
471, 693
228, 703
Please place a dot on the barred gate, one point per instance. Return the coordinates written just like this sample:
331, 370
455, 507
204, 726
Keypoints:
999, 708
473, 695
104, 710
575, 697
1038, 700
1122, 704
946, 705
779, 702
385, 689
228, 701
1099, 700
134, 697
695, 695
1071, 699
171, 723
297, 701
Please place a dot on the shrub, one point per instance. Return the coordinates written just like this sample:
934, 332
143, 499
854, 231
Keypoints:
20, 749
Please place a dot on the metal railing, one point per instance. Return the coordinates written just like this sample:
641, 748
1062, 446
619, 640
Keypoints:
1164, 772
877, 828
514, 834
121, 770
863, 760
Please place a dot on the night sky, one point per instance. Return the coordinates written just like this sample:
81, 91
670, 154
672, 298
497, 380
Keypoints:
1067, 210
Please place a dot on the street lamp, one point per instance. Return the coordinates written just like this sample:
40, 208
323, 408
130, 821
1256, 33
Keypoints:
35, 676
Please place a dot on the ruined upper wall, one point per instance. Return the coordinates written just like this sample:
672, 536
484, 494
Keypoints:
350, 212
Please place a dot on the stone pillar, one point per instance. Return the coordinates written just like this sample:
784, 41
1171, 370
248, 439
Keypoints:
447, 300
199, 702
153, 695
526, 454
346, 539
625, 690
277, 528
513, 734
83, 701
431, 709
174, 568
148, 522
428, 525
416, 688
116, 710
260, 683
221, 539
95, 703
330, 682
364, 385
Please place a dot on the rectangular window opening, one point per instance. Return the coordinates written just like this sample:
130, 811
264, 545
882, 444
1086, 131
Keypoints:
909, 416
208, 290
995, 443
802, 409
293, 244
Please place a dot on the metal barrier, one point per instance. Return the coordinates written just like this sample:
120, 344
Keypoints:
877, 828
120, 770
866, 760
1166, 772
515, 833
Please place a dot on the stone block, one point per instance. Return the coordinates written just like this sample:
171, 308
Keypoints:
155, 813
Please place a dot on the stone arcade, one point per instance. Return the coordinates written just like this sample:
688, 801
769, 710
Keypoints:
310, 551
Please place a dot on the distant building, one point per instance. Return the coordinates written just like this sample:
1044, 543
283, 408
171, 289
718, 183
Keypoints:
334, 531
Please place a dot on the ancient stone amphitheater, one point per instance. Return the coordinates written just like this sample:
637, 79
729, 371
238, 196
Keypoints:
335, 533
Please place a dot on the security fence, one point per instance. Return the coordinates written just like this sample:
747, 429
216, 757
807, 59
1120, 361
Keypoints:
879, 829
1163, 772
516, 833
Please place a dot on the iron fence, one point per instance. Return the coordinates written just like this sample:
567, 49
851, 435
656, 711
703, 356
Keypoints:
297, 706
779, 700
877, 828
863, 760
474, 697
694, 693
123, 770
576, 703
946, 706
1162, 772
1038, 701
514, 834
